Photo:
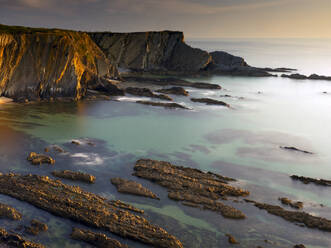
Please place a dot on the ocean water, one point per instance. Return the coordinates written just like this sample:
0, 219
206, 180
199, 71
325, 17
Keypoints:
241, 142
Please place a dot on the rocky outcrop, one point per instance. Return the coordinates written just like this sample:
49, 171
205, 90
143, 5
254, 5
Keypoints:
132, 187
304, 218
171, 105
292, 204
36, 227
81, 206
46, 63
307, 180
99, 240
174, 91
14, 240
146, 93
75, 176
156, 52
304, 77
9, 212
38, 159
210, 101
191, 186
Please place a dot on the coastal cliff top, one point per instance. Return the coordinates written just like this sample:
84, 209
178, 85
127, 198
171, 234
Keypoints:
28, 30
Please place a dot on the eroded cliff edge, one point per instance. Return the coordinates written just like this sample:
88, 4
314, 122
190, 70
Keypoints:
43, 63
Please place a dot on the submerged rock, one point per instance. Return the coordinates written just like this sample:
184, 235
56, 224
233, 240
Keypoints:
146, 93
191, 186
9, 212
76, 176
297, 217
131, 187
162, 104
292, 148
231, 239
174, 91
81, 206
99, 240
210, 101
36, 227
14, 240
55, 148
307, 180
288, 202
38, 159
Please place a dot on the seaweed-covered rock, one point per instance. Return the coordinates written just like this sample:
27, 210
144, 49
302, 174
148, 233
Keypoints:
14, 240
78, 205
75, 176
36, 227
9, 212
96, 239
307, 180
210, 101
146, 93
172, 105
131, 187
176, 90
38, 159
191, 186
288, 202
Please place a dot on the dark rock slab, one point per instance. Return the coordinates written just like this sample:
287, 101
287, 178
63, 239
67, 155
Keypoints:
75, 176
131, 187
14, 240
162, 104
294, 76
174, 91
292, 204
297, 217
84, 207
38, 159
146, 93
294, 149
36, 227
191, 186
304, 77
96, 239
9, 212
307, 180
210, 101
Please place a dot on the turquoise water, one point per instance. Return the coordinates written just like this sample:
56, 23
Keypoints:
241, 142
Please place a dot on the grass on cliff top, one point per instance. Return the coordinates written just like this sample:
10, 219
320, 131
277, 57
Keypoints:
28, 30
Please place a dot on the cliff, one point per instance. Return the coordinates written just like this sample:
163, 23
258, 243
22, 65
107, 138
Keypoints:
158, 52
47, 63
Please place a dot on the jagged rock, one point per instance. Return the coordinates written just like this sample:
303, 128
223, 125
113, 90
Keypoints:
146, 93
191, 186
292, 148
307, 180
9, 212
75, 176
288, 202
297, 217
48, 63
96, 239
174, 91
36, 227
210, 101
161, 104
81, 206
159, 52
131, 187
38, 159
231, 239
172, 81
14, 240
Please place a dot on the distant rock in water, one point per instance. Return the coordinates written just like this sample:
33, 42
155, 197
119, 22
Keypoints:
292, 148
162, 104
288, 202
303, 77
307, 180
210, 101
146, 93
174, 91
75, 176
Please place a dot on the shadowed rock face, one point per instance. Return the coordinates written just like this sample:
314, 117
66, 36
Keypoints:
78, 205
152, 51
53, 63
191, 186
96, 239
14, 240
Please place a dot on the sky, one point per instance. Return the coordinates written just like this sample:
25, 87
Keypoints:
196, 18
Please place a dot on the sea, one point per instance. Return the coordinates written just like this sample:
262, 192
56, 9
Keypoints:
243, 142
